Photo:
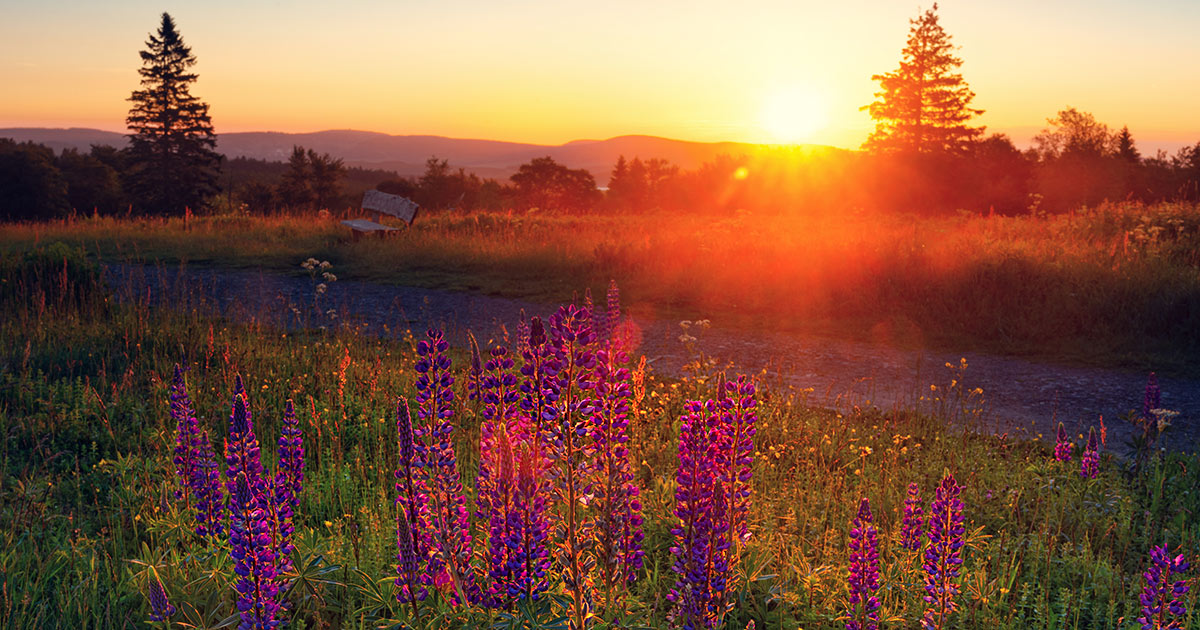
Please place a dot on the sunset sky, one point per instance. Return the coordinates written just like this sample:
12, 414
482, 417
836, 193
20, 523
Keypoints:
551, 72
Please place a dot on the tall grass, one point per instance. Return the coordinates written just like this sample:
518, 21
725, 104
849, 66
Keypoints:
1118, 283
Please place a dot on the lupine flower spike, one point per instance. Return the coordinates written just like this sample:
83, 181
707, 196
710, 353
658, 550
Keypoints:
571, 339
864, 571
529, 560
943, 556
287, 484
910, 527
451, 563
1089, 463
413, 538
701, 535
254, 558
187, 429
1162, 599
1153, 398
1062, 446
617, 501
160, 607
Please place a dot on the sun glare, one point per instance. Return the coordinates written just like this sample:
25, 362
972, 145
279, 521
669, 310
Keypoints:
792, 114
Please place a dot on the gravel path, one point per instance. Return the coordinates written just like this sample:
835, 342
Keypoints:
1020, 395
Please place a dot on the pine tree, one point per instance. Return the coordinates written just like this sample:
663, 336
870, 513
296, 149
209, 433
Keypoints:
924, 105
1126, 149
173, 164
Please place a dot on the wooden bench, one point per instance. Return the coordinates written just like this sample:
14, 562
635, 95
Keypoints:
382, 203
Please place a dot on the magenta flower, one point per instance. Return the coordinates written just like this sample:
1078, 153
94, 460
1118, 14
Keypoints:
1062, 446
209, 502
943, 556
864, 571
910, 527
1162, 599
1089, 463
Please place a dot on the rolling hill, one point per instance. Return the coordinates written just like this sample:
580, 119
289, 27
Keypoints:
406, 155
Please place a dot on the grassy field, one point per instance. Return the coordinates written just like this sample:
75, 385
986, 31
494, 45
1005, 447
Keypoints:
88, 519
1114, 285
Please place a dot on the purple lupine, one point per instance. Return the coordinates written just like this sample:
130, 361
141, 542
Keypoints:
254, 557
617, 502
1062, 445
1089, 463
1153, 399
529, 559
864, 571
701, 536
1162, 599
737, 429
943, 556
160, 607
911, 526
451, 560
540, 392
571, 338
195, 462
287, 484
242, 452
501, 410
407, 565
187, 429
501, 505
206, 489
413, 537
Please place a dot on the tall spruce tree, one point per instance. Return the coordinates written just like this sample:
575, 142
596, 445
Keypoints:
924, 105
172, 159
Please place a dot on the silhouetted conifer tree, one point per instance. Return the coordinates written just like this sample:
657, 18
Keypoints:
1125, 147
924, 105
171, 154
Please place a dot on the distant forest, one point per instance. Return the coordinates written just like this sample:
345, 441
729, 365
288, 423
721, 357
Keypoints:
1076, 161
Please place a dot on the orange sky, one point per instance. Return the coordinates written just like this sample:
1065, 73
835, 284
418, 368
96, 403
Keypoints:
554, 72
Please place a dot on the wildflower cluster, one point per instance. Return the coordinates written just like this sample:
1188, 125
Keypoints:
553, 431
261, 504
195, 463
712, 498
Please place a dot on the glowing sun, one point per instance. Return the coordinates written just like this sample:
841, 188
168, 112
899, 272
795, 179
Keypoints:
792, 114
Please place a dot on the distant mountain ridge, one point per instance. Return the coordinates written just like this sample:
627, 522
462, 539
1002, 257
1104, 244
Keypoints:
406, 155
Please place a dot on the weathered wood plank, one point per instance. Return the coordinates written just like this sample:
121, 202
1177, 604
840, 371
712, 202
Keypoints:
394, 205
366, 225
